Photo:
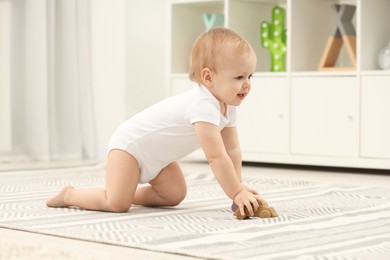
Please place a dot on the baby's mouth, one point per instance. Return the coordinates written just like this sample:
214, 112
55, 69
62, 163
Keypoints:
241, 95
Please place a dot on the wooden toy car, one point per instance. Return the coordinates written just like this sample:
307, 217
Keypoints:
261, 212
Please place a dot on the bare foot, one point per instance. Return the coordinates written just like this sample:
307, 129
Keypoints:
58, 201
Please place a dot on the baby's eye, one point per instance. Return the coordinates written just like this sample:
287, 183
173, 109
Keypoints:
240, 77
243, 77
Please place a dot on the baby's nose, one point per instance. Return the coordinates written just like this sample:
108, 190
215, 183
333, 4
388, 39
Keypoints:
247, 84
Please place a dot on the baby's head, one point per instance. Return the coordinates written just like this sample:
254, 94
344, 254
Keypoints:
210, 45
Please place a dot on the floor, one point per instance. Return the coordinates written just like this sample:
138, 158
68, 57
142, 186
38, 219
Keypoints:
23, 245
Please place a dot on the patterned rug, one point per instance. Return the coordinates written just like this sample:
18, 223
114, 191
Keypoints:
315, 221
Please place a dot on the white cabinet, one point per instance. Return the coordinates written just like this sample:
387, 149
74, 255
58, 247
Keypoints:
263, 119
303, 115
324, 116
375, 136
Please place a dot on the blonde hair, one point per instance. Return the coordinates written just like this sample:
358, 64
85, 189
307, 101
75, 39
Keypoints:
210, 44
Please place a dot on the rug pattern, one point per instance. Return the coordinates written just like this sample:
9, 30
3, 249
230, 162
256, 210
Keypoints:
315, 221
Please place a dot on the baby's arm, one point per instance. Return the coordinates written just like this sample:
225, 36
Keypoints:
223, 167
232, 147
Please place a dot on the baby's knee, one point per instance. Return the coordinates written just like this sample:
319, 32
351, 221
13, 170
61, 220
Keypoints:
178, 195
118, 207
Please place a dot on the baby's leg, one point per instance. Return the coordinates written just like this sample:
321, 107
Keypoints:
167, 189
122, 176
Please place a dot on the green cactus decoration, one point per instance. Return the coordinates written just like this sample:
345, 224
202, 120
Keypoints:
274, 37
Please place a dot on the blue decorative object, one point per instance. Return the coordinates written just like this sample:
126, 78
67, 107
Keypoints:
213, 20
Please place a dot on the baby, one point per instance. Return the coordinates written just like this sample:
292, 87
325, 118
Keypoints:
146, 148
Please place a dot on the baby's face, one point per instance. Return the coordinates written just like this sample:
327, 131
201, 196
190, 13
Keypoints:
231, 81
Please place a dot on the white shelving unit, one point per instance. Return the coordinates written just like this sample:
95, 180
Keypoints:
301, 116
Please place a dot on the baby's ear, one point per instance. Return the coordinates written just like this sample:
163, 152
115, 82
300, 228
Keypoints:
206, 78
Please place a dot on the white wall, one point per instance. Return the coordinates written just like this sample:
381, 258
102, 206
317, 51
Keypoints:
146, 38
5, 78
108, 67
128, 70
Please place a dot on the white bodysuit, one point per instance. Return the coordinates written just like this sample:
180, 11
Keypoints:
164, 132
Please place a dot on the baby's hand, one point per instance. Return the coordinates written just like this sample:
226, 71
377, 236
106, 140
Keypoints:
247, 199
252, 190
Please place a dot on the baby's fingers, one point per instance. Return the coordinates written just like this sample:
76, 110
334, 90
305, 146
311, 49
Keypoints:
255, 204
251, 205
246, 204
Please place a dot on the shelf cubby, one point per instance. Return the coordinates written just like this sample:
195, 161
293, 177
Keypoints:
186, 25
374, 33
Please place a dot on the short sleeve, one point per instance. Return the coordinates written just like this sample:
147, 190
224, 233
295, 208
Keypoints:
205, 110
